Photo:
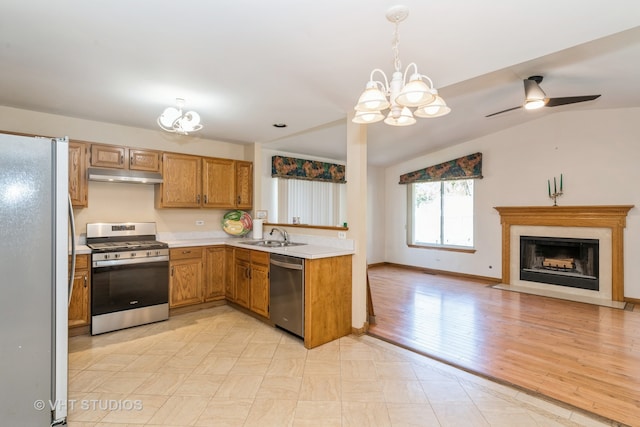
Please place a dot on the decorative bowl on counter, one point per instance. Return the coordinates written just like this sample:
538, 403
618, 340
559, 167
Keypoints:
237, 223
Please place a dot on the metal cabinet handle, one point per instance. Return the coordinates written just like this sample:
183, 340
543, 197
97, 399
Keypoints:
186, 252
122, 159
171, 271
238, 199
85, 280
206, 199
198, 198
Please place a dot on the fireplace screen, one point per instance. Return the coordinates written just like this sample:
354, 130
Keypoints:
560, 261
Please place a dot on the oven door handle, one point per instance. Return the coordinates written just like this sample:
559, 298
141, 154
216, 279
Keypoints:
116, 262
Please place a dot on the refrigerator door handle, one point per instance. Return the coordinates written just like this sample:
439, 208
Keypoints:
72, 271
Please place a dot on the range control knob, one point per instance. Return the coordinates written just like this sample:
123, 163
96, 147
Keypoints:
117, 256
106, 256
133, 255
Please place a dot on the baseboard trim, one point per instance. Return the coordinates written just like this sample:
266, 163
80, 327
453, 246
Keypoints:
360, 331
472, 277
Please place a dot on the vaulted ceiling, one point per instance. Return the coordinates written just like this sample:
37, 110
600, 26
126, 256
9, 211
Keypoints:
247, 64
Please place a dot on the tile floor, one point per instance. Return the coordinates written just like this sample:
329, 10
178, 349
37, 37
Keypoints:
220, 367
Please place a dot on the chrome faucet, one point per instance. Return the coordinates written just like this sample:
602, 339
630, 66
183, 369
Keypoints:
282, 232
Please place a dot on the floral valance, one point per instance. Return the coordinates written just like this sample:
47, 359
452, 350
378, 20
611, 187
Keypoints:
290, 167
467, 167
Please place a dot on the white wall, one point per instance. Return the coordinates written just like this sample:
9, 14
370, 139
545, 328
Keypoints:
111, 202
598, 152
376, 215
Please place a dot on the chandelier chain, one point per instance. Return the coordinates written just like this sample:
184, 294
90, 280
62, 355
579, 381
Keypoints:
394, 44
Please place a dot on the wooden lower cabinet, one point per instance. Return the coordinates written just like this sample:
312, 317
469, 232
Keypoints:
79, 308
214, 273
250, 287
242, 268
327, 299
259, 275
185, 276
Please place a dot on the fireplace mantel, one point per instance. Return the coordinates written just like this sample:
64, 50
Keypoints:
613, 217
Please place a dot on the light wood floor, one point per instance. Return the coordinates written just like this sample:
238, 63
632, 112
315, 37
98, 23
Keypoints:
580, 354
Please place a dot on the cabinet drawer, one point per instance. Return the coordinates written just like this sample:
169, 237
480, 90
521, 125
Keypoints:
259, 257
243, 254
184, 253
82, 262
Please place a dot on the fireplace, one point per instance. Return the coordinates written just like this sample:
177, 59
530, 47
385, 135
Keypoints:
560, 261
586, 223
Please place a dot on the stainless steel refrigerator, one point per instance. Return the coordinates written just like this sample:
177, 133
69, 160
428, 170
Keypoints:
34, 285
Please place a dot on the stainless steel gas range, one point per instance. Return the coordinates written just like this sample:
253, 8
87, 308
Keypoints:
129, 275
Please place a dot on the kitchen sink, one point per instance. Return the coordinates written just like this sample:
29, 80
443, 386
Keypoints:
272, 243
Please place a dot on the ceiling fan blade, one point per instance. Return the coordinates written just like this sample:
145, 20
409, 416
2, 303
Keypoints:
554, 102
504, 111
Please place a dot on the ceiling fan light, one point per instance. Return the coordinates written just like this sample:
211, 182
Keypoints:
372, 99
534, 95
366, 117
437, 108
415, 93
403, 118
534, 104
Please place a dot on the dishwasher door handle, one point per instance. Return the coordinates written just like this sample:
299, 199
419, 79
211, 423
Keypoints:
286, 265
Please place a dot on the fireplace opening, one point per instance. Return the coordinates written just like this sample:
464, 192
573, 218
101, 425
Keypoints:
560, 261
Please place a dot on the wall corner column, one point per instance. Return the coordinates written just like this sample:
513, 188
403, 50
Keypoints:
357, 217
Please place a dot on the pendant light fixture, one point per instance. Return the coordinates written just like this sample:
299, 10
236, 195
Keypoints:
400, 94
173, 120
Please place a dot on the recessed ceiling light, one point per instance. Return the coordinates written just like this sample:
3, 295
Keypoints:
279, 125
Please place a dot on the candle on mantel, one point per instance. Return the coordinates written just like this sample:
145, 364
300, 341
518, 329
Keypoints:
549, 185
555, 188
561, 183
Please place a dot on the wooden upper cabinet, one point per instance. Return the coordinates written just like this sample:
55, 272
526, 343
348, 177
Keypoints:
218, 181
144, 160
117, 157
244, 185
78, 180
208, 182
108, 156
182, 182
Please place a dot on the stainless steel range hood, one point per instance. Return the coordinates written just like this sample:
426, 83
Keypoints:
121, 175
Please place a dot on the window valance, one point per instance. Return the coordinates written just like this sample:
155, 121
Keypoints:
313, 170
467, 167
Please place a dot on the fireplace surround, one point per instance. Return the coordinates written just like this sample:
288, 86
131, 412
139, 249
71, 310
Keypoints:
603, 223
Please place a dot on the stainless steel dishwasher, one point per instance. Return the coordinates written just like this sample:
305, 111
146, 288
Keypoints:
286, 306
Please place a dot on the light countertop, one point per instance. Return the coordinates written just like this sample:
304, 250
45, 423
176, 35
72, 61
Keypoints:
308, 251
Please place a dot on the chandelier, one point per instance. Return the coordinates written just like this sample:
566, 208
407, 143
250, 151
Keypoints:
173, 120
399, 95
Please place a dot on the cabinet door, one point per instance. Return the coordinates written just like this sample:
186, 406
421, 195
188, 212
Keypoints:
218, 180
244, 185
243, 282
259, 289
185, 282
108, 156
214, 284
229, 281
181, 188
79, 314
144, 160
78, 180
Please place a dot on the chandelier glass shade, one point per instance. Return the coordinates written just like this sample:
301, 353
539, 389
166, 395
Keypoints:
401, 93
174, 120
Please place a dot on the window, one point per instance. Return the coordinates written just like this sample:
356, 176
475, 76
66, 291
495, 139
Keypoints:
441, 213
315, 202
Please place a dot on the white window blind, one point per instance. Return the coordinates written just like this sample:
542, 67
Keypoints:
315, 202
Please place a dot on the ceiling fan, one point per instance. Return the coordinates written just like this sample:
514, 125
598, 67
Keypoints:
536, 98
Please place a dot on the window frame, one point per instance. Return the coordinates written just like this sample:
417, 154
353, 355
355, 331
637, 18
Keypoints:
411, 221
